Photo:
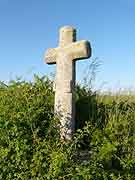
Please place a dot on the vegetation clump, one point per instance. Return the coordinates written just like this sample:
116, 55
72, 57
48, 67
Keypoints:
103, 146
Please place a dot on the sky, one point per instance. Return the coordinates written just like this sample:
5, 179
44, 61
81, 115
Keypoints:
29, 27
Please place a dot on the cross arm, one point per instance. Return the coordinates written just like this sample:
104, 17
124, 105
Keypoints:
50, 56
79, 50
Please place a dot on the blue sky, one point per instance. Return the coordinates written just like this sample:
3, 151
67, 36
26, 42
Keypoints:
29, 27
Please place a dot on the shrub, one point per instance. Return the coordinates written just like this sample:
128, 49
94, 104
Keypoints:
30, 148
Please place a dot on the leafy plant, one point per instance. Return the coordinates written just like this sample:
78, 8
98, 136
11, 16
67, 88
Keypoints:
103, 146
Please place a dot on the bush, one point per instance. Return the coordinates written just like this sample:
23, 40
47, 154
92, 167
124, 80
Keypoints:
102, 147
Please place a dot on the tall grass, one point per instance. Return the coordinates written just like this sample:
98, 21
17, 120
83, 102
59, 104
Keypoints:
103, 146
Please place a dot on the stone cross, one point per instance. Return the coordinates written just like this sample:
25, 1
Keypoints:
65, 56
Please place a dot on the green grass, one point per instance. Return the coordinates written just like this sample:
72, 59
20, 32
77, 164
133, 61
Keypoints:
103, 146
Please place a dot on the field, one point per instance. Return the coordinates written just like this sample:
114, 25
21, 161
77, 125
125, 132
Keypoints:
103, 146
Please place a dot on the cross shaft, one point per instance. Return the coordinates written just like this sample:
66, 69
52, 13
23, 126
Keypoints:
65, 56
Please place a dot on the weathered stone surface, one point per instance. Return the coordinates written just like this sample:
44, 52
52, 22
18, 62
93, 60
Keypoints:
65, 56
